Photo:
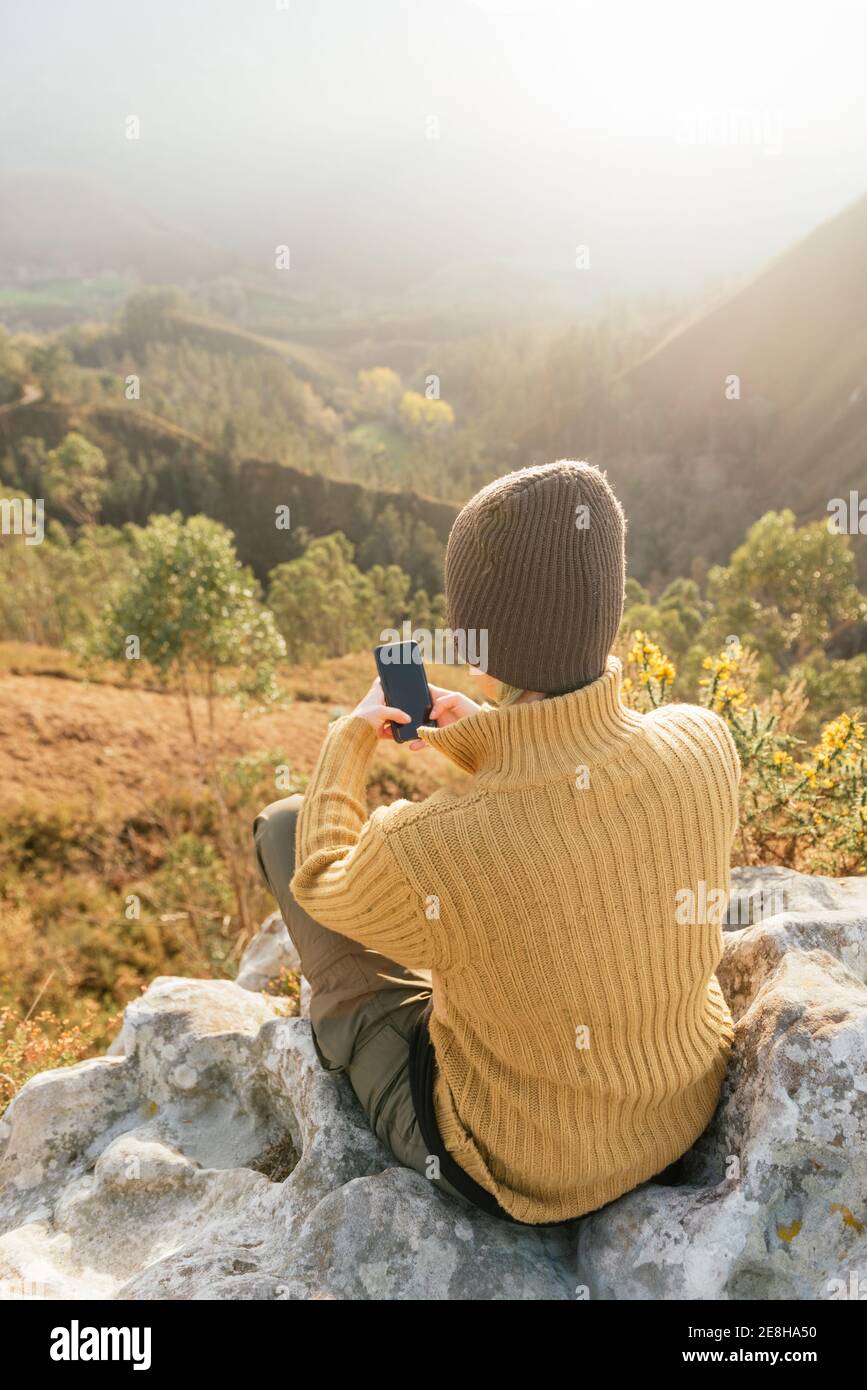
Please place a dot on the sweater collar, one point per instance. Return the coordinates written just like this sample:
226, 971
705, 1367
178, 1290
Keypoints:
542, 738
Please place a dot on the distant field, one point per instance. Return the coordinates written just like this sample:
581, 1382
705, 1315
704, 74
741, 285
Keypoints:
67, 292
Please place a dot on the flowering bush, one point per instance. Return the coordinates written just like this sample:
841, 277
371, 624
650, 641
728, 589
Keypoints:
802, 806
654, 673
30, 1045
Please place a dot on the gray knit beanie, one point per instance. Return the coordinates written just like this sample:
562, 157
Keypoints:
537, 559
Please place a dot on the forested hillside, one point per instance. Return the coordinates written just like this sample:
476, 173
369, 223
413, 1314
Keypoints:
758, 400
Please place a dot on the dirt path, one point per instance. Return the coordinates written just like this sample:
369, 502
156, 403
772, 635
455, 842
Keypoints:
29, 396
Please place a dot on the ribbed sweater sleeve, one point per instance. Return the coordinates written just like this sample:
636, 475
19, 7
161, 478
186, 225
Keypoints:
347, 877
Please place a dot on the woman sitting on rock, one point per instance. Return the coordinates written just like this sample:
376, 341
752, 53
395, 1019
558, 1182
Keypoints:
502, 971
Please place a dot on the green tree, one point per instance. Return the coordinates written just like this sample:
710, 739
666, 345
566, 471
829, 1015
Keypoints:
48, 363
786, 590
12, 369
396, 539
390, 604
323, 605
635, 592
144, 315
379, 392
54, 593
74, 478
197, 614
427, 612
425, 417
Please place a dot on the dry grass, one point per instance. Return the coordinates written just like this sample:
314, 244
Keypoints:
119, 747
104, 797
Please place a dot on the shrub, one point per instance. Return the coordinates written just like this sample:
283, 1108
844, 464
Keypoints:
33, 1044
803, 806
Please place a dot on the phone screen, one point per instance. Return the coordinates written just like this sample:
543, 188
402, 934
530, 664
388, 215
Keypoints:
405, 685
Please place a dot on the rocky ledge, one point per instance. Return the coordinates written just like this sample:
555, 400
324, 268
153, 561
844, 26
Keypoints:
209, 1156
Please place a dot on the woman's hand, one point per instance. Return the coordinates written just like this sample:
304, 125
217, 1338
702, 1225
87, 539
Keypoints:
450, 705
378, 714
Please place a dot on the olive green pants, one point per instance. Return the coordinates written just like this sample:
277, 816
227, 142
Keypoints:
363, 1006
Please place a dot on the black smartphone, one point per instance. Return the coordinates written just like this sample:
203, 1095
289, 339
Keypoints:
405, 686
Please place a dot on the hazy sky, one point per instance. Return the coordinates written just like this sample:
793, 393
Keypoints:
681, 142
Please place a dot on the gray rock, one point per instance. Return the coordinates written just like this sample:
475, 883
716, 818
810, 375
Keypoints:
269, 953
772, 1201
210, 1156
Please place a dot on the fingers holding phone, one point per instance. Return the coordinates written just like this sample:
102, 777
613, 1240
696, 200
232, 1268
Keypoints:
450, 705
379, 715
403, 698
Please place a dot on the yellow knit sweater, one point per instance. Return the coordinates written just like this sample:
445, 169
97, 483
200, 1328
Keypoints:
580, 1034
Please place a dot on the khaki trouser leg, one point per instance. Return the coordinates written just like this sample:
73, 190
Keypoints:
363, 1006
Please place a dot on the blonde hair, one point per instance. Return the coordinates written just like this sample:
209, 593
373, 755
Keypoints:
509, 694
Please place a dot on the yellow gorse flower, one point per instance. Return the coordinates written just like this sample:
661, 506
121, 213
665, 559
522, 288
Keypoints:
844, 732
654, 665
726, 696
